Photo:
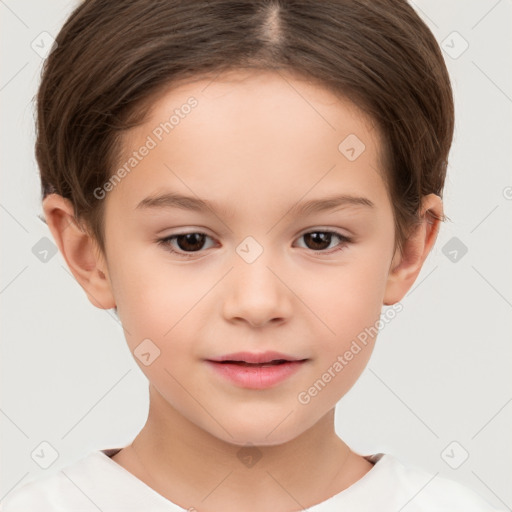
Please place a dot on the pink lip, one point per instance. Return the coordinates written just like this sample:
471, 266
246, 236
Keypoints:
260, 373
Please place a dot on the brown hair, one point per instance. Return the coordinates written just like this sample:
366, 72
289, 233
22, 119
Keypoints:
113, 57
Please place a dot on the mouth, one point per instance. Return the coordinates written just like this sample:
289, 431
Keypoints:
256, 358
256, 370
274, 362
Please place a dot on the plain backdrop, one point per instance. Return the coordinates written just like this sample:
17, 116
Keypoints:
437, 391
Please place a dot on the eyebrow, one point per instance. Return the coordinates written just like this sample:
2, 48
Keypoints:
174, 200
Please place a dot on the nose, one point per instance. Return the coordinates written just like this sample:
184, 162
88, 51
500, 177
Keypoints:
255, 293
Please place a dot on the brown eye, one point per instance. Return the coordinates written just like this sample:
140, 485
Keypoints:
190, 242
185, 244
188, 245
322, 240
318, 240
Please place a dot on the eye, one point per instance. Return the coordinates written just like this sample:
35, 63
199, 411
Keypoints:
321, 240
187, 244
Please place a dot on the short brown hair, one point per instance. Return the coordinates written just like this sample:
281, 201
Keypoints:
112, 58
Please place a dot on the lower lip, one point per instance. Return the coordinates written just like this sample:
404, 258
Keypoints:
256, 377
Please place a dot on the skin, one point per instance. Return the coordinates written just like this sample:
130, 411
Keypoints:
255, 145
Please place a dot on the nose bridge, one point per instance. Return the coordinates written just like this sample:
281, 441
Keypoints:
252, 266
254, 291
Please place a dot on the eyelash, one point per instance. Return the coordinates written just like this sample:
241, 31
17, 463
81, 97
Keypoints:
166, 242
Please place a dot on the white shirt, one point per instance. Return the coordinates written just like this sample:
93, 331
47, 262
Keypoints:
97, 483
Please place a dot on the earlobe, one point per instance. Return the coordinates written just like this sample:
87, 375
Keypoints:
405, 268
79, 250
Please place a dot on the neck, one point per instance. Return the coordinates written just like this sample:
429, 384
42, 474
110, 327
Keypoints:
196, 470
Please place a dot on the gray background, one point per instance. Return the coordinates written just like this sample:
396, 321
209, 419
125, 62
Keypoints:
440, 372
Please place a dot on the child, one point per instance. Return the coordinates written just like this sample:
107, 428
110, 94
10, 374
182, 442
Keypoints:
260, 130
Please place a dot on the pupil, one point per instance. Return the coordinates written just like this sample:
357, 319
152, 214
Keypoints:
188, 242
324, 239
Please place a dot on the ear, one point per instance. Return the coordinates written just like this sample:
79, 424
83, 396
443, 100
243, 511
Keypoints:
405, 268
80, 250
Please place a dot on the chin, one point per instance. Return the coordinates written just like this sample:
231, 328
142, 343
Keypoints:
259, 433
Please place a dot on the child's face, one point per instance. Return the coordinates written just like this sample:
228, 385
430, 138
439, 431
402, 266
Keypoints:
255, 146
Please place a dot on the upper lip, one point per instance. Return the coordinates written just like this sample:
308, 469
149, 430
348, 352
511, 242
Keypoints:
255, 357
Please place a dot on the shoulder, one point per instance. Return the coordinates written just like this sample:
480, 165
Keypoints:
94, 482
55, 492
424, 491
45, 494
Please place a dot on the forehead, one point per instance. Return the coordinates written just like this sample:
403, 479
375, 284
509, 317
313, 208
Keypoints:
251, 134
255, 96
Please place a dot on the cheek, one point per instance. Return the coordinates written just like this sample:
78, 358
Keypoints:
158, 313
349, 304
350, 299
152, 294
